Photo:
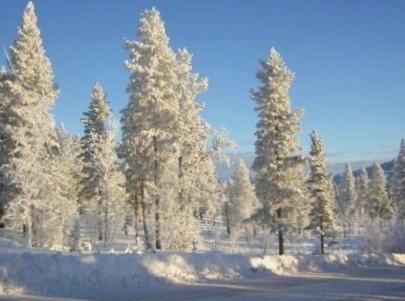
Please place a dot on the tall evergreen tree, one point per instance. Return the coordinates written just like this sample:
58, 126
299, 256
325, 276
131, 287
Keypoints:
27, 130
66, 168
95, 122
149, 119
379, 205
192, 133
278, 166
5, 79
321, 190
243, 201
209, 189
227, 188
347, 199
399, 182
102, 183
362, 186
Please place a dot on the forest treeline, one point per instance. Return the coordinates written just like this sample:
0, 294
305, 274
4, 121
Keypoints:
159, 179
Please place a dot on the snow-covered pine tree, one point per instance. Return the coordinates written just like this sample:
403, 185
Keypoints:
347, 199
149, 119
362, 193
102, 195
379, 206
279, 182
111, 202
211, 192
27, 131
66, 169
334, 191
192, 133
320, 188
227, 205
95, 122
399, 182
208, 189
336, 198
243, 201
5, 79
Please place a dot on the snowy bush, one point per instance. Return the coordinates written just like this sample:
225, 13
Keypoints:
174, 268
277, 264
387, 239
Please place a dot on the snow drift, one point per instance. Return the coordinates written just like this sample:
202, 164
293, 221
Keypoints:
115, 275
287, 264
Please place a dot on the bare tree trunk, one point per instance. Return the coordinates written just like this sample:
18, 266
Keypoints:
99, 224
180, 161
322, 244
158, 242
28, 230
106, 236
280, 235
136, 219
157, 229
322, 237
280, 241
144, 221
228, 222
1, 215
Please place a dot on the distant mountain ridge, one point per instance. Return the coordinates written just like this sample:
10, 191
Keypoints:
337, 169
388, 168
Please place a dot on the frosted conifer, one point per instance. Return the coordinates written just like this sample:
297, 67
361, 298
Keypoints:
243, 201
149, 119
399, 182
379, 206
278, 165
320, 188
27, 131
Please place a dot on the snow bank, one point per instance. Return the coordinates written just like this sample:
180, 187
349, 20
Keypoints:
276, 264
190, 267
81, 275
174, 268
112, 275
287, 264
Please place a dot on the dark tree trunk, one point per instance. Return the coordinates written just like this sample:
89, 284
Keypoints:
180, 161
228, 222
144, 215
99, 223
136, 219
322, 237
157, 229
158, 242
280, 235
322, 244
105, 229
280, 242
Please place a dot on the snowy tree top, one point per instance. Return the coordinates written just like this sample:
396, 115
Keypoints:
152, 28
28, 59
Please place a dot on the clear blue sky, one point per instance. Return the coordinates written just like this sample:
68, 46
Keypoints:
348, 57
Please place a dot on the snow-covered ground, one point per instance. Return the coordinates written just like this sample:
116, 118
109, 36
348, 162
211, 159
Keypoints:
36, 274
